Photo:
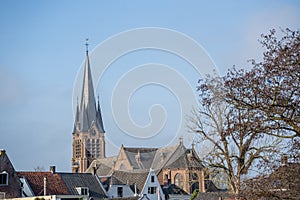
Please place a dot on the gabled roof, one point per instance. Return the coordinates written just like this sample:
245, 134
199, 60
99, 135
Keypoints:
152, 181
140, 158
155, 158
174, 189
107, 181
162, 156
63, 183
12, 190
133, 178
184, 158
55, 185
103, 166
211, 187
75, 180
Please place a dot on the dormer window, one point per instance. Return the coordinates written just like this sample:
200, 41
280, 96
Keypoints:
83, 191
3, 178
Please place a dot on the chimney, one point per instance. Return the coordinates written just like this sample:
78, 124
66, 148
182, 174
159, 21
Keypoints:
52, 169
284, 160
45, 186
94, 170
2, 152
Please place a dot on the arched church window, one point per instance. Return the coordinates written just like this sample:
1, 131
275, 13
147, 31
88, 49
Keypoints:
179, 180
194, 182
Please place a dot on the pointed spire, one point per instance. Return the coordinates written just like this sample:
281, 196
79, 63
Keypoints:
77, 111
87, 96
89, 114
99, 117
76, 124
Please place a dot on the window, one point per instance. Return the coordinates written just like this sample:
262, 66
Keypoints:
83, 191
120, 191
151, 190
152, 179
78, 149
179, 180
3, 178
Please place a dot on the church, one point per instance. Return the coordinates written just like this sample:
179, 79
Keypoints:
176, 165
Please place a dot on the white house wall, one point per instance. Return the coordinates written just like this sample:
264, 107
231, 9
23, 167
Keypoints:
156, 184
113, 191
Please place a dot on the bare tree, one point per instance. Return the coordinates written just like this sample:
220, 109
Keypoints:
245, 114
39, 169
271, 87
234, 133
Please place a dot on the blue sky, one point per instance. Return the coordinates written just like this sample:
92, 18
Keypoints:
42, 49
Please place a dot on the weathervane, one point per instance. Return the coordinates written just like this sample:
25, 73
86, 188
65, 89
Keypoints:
87, 44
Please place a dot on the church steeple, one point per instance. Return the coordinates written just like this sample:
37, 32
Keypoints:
88, 133
88, 114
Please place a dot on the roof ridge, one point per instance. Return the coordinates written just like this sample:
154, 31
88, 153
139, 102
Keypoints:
172, 154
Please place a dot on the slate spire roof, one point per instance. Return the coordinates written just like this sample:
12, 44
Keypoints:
88, 114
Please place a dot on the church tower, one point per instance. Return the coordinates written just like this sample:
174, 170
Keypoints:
88, 133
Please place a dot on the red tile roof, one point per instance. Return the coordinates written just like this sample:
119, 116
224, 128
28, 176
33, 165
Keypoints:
55, 184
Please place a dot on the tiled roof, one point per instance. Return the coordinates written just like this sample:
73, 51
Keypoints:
55, 184
155, 158
132, 178
184, 158
110, 180
173, 189
140, 158
103, 166
74, 180
63, 183
210, 186
162, 156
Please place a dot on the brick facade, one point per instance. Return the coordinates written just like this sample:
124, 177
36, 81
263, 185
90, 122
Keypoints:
12, 188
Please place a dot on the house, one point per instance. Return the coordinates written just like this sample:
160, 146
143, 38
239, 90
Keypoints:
143, 184
84, 185
283, 183
46, 185
152, 189
176, 165
115, 187
10, 184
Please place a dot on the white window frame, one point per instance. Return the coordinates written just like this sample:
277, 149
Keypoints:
81, 189
2, 173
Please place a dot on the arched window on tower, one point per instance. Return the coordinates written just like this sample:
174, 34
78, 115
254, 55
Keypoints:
178, 180
77, 148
